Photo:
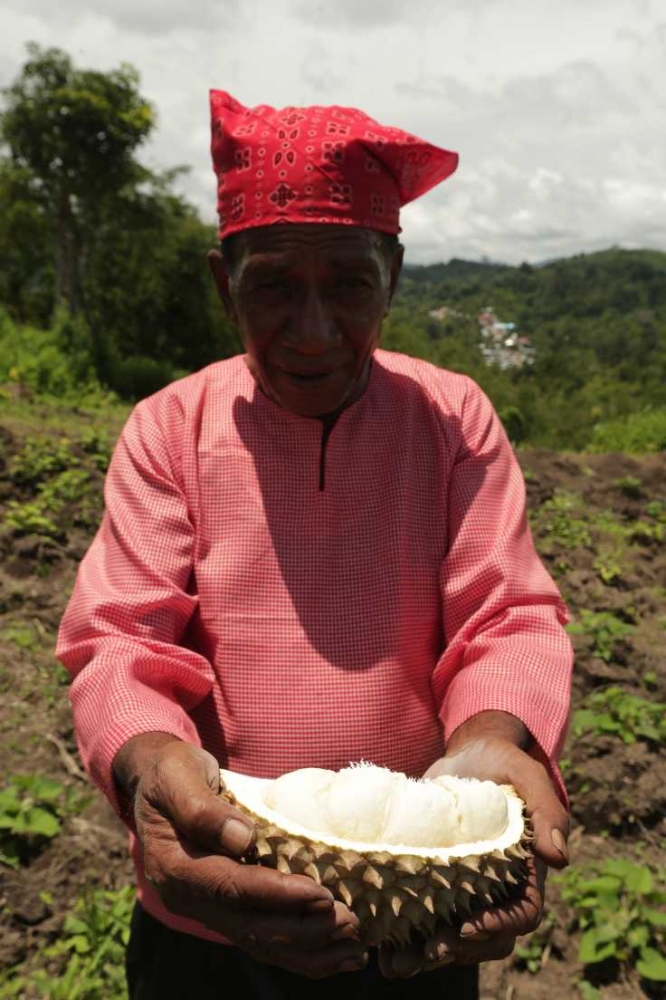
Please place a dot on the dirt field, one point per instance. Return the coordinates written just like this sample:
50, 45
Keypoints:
600, 524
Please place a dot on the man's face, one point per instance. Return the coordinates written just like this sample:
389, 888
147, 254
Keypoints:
308, 301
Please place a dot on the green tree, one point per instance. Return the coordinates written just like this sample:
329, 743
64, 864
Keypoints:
74, 133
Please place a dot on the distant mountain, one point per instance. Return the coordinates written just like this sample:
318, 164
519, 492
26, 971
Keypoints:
454, 269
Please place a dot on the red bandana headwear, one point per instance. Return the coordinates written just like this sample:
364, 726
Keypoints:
317, 164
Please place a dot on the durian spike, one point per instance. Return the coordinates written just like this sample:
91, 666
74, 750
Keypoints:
372, 877
329, 876
313, 872
350, 890
438, 876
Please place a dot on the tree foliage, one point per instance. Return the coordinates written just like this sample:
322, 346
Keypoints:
84, 224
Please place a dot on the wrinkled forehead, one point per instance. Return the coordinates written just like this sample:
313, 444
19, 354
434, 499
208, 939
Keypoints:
284, 242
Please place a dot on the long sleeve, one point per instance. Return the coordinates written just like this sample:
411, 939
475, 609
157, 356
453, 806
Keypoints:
121, 633
506, 647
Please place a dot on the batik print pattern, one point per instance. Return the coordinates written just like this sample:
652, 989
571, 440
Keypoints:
316, 164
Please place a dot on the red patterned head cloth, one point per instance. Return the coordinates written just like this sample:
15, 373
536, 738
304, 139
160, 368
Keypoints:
316, 164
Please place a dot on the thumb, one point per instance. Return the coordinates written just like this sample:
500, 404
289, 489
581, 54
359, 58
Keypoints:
549, 818
508, 765
185, 788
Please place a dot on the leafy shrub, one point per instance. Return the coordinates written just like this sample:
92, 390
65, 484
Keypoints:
627, 715
138, 377
639, 433
54, 362
619, 908
604, 628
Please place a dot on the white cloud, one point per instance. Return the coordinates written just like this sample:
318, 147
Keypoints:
557, 111
147, 17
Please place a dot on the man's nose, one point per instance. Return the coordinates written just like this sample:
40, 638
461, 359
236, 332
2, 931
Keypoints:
312, 328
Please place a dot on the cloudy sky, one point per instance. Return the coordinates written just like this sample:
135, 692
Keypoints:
558, 110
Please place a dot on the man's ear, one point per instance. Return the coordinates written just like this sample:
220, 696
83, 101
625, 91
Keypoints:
222, 279
396, 268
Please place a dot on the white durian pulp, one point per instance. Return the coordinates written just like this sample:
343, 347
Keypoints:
366, 806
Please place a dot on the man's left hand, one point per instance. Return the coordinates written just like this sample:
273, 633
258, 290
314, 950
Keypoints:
491, 934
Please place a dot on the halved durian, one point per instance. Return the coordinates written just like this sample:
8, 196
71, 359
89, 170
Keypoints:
403, 854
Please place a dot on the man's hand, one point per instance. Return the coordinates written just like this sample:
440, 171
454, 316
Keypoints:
492, 933
192, 845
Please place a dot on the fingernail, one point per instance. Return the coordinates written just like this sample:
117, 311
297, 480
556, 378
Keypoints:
354, 964
321, 905
470, 932
446, 960
236, 836
560, 844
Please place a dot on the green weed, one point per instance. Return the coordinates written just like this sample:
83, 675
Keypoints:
628, 716
30, 519
619, 908
608, 568
631, 486
39, 458
645, 532
532, 953
555, 519
604, 628
96, 444
31, 810
30, 806
92, 943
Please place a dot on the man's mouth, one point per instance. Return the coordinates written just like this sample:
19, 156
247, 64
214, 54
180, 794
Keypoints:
308, 378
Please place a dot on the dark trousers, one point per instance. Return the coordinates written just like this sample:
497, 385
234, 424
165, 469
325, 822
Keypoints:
165, 965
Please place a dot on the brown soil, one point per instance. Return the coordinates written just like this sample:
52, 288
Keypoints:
618, 791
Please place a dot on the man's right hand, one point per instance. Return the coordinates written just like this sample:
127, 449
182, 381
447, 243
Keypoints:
192, 845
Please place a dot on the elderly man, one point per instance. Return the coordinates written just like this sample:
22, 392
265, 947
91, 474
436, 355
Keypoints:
311, 554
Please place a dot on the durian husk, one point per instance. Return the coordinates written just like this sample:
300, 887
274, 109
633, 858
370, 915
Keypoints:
395, 896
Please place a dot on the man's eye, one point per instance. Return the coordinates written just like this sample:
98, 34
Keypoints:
270, 286
357, 283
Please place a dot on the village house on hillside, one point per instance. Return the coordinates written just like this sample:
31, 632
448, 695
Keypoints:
502, 345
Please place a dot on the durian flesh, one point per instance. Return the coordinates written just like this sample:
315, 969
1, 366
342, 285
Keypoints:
404, 854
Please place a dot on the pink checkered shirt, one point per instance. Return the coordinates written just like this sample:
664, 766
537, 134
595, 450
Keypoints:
230, 600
